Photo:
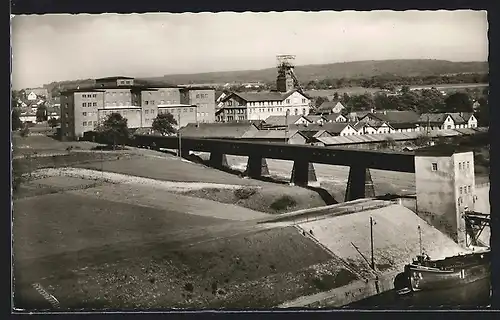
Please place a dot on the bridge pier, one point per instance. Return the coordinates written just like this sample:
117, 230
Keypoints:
359, 184
302, 173
256, 167
217, 160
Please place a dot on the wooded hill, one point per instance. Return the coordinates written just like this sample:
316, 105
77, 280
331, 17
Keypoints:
308, 73
349, 70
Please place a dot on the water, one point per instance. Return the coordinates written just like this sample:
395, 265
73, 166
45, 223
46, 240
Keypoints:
471, 296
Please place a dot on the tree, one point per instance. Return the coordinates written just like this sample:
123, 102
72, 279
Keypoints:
458, 102
430, 101
319, 101
405, 89
336, 96
114, 129
25, 130
41, 113
53, 122
345, 98
361, 102
164, 123
16, 122
483, 114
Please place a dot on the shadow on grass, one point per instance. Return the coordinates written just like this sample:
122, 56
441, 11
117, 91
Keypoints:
323, 193
106, 147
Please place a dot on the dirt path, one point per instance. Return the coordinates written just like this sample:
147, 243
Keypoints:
128, 179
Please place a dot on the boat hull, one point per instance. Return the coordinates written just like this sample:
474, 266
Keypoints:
425, 278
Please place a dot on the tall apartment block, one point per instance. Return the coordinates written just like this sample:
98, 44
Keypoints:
83, 109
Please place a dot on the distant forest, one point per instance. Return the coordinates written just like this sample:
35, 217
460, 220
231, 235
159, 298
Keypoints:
384, 74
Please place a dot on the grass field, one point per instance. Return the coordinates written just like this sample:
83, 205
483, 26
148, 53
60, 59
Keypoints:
92, 252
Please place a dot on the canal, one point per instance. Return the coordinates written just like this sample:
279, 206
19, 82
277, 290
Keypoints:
471, 296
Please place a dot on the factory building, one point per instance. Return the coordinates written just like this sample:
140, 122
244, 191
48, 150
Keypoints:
82, 110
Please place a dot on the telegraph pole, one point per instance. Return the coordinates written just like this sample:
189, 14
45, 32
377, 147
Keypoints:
179, 133
286, 125
420, 239
371, 242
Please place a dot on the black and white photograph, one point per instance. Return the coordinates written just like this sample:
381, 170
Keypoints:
295, 160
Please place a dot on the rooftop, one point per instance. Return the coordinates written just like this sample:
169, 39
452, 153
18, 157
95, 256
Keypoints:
217, 130
270, 134
282, 120
176, 105
327, 106
330, 127
114, 78
264, 96
442, 150
396, 116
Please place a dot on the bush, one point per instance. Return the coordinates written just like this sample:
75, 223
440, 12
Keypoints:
283, 203
244, 193
189, 287
25, 131
422, 140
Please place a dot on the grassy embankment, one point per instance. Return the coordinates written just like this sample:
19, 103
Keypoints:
103, 253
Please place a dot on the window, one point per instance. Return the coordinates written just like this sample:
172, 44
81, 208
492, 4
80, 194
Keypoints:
84, 104
146, 111
84, 114
287, 100
468, 189
84, 123
152, 102
434, 166
448, 127
94, 104
468, 165
94, 96
146, 102
303, 100
460, 166
197, 96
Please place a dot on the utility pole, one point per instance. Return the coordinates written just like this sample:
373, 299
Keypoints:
195, 115
286, 125
371, 241
428, 125
420, 239
179, 132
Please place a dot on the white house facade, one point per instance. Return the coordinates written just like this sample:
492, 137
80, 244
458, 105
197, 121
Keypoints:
261, 108
32, 96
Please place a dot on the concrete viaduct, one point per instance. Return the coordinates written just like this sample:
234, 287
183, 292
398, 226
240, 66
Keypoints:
359, 184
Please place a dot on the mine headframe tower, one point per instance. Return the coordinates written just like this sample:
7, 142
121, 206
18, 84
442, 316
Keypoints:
287, 80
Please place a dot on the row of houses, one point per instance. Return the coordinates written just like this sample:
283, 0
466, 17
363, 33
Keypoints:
373, 123
329, 134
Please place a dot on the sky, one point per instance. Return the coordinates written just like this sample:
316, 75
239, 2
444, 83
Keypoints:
57, 47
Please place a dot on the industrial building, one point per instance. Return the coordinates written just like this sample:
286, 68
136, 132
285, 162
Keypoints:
289, 98
83, 109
